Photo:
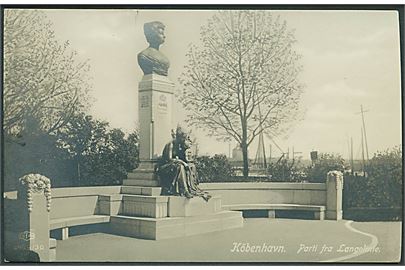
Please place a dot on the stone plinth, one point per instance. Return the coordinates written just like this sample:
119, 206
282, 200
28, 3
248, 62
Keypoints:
162, 217
173, 227
144, 206
183, 207
141, 183
155, 115
334, 195
139, 190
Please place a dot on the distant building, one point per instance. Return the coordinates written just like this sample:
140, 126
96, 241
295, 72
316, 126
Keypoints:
237, 154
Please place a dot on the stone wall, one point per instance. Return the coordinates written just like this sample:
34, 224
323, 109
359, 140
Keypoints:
262, 193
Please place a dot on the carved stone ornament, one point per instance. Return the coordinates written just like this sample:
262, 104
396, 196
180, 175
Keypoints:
338, 176
36, 183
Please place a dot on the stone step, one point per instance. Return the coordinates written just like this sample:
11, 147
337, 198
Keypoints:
141, 182
173, 227
139, 190
147, 165
144, 206
142, 174
145, 170
183, 207
145, 198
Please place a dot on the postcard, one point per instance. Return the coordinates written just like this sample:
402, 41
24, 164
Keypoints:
180, 134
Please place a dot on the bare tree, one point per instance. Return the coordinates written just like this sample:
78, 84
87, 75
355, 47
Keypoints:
243, 78
42, 78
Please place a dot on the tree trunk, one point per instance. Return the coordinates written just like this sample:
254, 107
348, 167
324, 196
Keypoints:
78, 174
244, 147
245, 159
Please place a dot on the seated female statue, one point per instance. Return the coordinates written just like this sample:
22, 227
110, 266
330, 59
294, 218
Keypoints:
176, 170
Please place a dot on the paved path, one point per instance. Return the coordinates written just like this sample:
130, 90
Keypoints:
260, 240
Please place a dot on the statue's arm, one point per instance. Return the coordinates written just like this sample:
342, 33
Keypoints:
169, 153
176, 158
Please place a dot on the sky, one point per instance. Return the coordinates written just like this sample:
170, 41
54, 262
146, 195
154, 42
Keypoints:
349, 58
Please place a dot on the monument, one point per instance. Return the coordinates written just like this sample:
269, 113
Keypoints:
144, 211
155, 95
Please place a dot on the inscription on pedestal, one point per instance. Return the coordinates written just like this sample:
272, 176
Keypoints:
162, 103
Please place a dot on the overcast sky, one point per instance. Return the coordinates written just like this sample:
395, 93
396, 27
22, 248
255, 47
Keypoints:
349, 58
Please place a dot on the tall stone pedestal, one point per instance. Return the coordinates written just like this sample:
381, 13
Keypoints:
155, 108
155, 115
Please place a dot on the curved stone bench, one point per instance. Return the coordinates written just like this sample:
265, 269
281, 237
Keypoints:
75, 206
65, 223
324, 199
319, 210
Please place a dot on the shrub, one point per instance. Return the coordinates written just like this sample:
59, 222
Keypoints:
214, 169
385, 178
383, 185
325, 163
380, 191
286, 171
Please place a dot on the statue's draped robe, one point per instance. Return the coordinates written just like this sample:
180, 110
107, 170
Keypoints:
192, 183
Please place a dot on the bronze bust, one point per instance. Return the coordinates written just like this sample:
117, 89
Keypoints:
151, 60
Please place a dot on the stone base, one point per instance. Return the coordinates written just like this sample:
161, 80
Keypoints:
141, 183
143, 176
173, 227
146, 164
139, 190
144, 213
166, 206
144, 206
197, 206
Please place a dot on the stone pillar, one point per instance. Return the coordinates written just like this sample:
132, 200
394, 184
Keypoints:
155, 115
334, 195
27, 221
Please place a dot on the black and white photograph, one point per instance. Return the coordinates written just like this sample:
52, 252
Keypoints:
207, 134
